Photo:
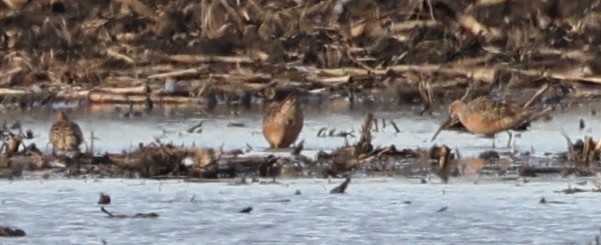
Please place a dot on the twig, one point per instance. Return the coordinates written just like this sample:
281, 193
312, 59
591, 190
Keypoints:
180, 73
193, 59
342, 187
117, 55
195, 127
536, 95
396, 128
140, 9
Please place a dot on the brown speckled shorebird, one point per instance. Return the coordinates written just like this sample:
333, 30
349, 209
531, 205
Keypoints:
283, 123
485, 116
65, 135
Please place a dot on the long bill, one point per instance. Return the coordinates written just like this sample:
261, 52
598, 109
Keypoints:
450, 121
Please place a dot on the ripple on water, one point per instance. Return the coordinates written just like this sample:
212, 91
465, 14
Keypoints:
65, 212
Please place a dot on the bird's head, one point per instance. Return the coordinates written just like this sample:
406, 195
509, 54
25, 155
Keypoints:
456, 108
62, 116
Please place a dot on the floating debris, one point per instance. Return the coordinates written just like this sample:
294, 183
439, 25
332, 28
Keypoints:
342, 187
123, 216
104, 199
571, 190
236, 125
544, 201
11, 232
246, 210
196, 128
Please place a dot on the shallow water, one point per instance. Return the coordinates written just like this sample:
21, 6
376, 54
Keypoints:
372, 211
115, 133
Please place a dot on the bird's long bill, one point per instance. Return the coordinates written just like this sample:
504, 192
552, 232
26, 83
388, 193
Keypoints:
446, 123
291, 99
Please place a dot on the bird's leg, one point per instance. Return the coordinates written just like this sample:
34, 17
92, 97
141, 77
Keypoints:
513, 146
493, 141
510, 138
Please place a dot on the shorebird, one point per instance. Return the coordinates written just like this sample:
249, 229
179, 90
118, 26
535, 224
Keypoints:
487, 117
65, 135
283, 123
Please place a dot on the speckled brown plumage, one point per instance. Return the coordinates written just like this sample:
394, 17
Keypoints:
283, 123
65, 135
484, 116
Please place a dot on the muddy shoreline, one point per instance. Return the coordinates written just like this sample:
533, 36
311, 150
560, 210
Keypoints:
159, 160
339, 56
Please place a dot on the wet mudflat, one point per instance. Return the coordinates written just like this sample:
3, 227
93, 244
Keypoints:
372, 210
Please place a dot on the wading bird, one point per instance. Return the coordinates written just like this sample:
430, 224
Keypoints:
65, 135
283, 123
487, 117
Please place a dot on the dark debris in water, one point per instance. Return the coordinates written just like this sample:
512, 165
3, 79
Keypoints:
574, 190
164, 161
246, 210
104, 199
340, 189
544, 201
125, 216
11, 232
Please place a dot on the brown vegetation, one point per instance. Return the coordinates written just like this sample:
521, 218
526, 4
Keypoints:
188, 51
220, 51
160, 160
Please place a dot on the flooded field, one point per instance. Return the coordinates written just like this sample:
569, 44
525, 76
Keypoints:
382, 211
374, 210
241, 52
116, 133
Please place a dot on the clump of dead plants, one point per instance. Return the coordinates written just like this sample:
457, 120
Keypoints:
186, 51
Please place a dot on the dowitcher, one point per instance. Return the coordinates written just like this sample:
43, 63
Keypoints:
487, 117
283, 123
65, 135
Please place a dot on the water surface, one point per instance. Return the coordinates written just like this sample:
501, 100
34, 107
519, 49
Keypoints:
380, 211
116, 133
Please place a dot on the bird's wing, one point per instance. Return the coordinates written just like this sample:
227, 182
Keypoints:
492, 110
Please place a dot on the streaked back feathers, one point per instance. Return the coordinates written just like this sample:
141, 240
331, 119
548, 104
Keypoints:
65, 135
